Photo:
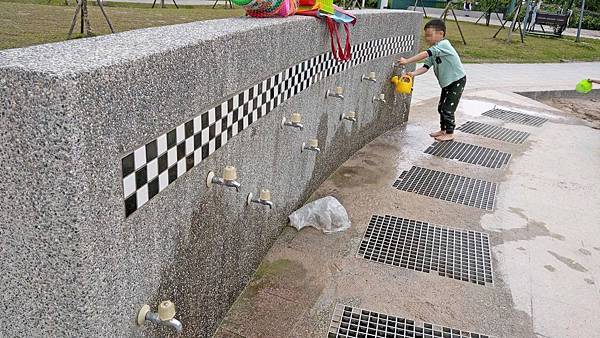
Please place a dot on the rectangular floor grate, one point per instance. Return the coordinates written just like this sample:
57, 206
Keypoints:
494, 132
469, 153
448, 187
349, 321
513, 116
459, 254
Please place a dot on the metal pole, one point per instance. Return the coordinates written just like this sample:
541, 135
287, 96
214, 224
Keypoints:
515, 19
578, 39
457, 25
82, 18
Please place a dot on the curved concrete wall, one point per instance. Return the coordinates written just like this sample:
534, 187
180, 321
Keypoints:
106, 144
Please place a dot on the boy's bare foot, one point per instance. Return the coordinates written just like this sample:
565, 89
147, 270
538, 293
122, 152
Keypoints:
437, 133
445, 137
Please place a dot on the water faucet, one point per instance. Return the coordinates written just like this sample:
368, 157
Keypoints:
267, 203
228, 179
380, 98
228, 183
165, 316
313, 145
371, 77
350, 116
339, 91
294, 122
264, 198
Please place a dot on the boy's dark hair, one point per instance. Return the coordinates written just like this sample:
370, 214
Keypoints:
437, 24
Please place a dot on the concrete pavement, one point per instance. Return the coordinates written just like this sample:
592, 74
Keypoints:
544, 234
512, 77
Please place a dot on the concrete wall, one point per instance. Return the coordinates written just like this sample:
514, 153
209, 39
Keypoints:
92, 227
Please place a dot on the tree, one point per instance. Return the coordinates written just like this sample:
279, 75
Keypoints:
491, 6
86, 28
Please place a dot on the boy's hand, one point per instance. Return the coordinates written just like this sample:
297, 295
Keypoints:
411, 74
402, 61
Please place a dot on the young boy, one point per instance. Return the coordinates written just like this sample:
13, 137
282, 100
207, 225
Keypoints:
449, 72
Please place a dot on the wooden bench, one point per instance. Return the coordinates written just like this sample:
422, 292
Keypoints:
558, 22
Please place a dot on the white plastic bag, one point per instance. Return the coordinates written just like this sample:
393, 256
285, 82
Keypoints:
325, 214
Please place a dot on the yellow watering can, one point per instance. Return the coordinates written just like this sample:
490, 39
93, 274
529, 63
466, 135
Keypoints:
403, 84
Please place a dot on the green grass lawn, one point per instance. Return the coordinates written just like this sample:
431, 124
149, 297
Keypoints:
29, 22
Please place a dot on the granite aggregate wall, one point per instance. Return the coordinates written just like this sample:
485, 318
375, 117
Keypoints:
106, 144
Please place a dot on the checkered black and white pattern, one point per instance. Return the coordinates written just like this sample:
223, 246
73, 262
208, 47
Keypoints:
149, 169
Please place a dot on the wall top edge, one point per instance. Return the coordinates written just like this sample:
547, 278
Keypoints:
86, 55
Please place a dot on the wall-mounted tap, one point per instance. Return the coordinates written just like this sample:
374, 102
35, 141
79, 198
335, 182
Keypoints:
371, 77
313, 145
350, 116
228, 179
380, 98
165, 316
264, 198
339, 93
396, 64
294, 121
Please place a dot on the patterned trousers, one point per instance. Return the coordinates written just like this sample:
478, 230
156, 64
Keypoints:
448, 102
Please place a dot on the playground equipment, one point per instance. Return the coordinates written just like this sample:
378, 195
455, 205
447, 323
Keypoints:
557, 21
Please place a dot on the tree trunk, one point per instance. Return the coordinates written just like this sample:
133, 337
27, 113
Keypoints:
86, 19
86, 27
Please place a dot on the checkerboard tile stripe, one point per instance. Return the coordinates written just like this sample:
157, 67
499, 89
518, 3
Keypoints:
149, 169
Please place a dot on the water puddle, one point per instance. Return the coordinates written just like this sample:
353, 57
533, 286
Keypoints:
568, 262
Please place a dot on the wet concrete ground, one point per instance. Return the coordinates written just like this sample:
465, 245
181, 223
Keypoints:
544, 233
587, 109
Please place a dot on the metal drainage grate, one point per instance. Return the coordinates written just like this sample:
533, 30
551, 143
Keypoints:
494, 132
469, 153
349, 321
512, 116
448, 187
459, 254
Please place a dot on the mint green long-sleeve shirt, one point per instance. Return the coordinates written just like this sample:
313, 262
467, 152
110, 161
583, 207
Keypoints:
445, 62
